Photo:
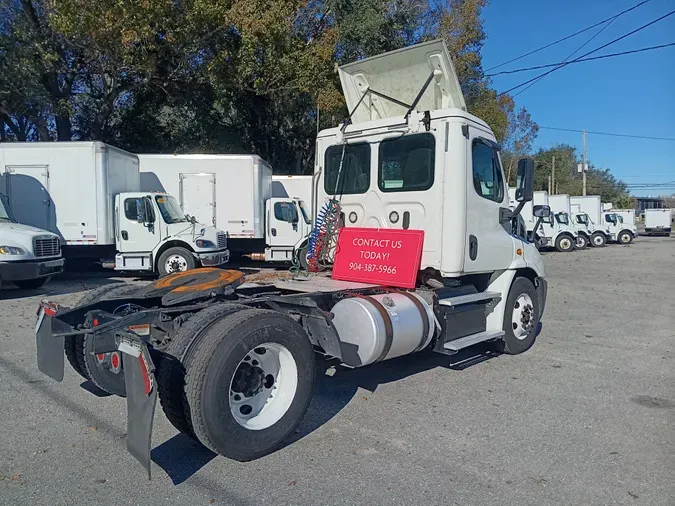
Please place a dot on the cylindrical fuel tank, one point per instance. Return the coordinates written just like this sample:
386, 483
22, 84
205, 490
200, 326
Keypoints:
380, 327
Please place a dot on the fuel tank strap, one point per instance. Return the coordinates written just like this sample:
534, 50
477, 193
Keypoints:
388, 327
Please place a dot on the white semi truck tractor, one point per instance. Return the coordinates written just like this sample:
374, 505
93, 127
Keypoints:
233, 363
587, 212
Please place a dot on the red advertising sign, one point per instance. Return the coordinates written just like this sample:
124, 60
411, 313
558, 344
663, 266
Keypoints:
382, 256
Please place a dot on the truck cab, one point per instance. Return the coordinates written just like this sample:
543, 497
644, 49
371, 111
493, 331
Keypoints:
154, 234
29, 256
619, 231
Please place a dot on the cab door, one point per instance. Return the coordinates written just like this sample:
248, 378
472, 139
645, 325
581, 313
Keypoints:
490, 245
137, 231
283, 228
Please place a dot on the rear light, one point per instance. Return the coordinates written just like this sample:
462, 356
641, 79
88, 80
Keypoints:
49, 308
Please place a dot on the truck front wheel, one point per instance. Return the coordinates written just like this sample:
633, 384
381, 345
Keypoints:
598, 239
564, 243
521, 318
175, 259
625, 237
581, 241
249, 383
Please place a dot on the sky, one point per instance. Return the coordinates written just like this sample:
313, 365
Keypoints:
633, 94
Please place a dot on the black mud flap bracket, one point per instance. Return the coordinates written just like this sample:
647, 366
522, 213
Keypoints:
141, 386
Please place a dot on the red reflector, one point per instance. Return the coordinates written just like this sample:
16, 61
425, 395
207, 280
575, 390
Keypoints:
95, 322
100, 357
115, 360
147, 383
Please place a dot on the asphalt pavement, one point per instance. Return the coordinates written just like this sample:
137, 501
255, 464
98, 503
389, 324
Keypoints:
587, 416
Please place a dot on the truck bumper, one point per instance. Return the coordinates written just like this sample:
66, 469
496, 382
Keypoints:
214, 259
20, 271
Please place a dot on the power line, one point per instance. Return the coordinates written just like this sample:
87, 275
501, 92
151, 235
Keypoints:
612, 134
568, 37
590, 52
569, 56
611, 55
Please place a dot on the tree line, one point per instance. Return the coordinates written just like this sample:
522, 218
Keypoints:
220, 76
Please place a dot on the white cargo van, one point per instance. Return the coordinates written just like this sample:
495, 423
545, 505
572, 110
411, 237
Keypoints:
234, 193
658, 221
88, 193
29, 256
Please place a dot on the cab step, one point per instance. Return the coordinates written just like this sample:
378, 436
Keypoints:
464, 342
469, 298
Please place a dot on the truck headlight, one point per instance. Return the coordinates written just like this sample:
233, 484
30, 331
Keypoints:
203, 243
11, 250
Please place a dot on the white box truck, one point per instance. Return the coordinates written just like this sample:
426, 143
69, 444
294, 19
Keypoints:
294, 186
238, 375
29, 256
89, 194
587, 211
561, 209
552, 231
620, 230
658, 221
234, 193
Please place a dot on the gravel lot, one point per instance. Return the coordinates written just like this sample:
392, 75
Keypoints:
585, 417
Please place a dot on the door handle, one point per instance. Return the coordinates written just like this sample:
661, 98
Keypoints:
274, 232
125, 235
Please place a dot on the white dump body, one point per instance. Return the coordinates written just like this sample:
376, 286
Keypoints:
293, 186
591, 205
228, 191
657, 218
67, 187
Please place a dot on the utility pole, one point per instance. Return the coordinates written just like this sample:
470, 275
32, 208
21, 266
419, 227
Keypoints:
583, 163
553, 177
549, 185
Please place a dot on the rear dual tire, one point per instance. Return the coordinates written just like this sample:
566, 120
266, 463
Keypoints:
248, 379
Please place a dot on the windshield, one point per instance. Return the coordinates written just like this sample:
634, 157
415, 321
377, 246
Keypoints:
304, 212
5, 211
170, 209
620, 218
582, 219
562, 218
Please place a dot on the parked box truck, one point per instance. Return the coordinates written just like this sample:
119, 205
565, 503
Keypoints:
29, 256
561, 209
89, 194
234, 193
620, 230
294, 186
657, 221
587, 211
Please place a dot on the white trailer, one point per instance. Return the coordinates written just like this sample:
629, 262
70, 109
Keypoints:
234, 193
89, 194
658, 221
587, 212
299, 187
238, 374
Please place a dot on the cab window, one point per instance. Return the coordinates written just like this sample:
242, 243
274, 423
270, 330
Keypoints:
133, 209
407, 163
285, 211
487, 174
355, 173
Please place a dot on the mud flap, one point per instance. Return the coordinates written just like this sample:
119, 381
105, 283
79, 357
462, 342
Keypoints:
141, 388
49, 347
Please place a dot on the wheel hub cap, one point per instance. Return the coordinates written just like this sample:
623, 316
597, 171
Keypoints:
523, 316
176, 263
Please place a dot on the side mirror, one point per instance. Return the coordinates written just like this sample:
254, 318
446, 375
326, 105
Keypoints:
525, 180
541, 211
